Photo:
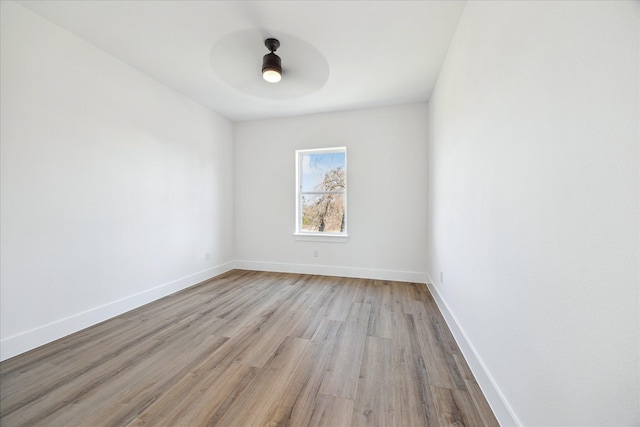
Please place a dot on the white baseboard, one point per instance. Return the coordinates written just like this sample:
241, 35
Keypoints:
28, 340
499, 404
329, 270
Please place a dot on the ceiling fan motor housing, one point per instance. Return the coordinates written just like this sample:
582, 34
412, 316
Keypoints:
271, 61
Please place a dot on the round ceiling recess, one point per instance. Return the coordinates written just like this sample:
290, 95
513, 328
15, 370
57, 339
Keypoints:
235, 60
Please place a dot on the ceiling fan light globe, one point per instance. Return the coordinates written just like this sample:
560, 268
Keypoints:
271, 75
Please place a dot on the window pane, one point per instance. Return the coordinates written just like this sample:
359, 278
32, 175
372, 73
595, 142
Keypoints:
323, 213
323, 172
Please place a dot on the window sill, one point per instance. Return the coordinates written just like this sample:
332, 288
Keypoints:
308, 237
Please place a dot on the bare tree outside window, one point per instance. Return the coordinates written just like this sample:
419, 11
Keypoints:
322, 191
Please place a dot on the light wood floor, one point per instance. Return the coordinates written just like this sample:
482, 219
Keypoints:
255, 349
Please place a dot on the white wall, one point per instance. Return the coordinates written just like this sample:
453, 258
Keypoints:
534, 213
387, 199
114, 188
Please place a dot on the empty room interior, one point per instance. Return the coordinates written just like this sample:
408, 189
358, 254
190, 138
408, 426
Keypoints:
328, 213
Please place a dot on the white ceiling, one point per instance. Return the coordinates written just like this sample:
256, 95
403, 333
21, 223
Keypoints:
336, 55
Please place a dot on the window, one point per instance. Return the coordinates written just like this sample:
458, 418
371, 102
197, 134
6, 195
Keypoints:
321, 192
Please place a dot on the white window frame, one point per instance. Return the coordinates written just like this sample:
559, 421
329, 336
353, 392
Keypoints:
316, 235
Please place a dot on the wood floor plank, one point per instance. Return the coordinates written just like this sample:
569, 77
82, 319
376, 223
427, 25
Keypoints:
380, 323
60, 349
341, 305
284, 318
374, 401
257, 402
198, 399
488, 418
456, 408
323, 346
137, 377
71, 383
331, 411
254, 348
341, 379
413, 402
440, 363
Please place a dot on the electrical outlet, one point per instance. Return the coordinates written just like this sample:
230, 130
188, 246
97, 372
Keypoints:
316, 253
207, 256
441, 277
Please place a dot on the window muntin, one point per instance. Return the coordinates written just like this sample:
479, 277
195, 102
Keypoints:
321, 192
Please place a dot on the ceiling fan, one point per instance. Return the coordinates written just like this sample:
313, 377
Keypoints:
271, 63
